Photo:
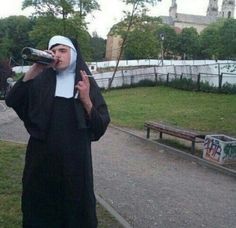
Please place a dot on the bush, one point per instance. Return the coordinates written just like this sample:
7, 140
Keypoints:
145, 83
185, 84
228, 88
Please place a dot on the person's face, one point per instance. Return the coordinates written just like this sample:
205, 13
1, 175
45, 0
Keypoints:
61, 54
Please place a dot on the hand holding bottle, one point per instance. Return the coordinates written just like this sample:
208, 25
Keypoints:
40, 59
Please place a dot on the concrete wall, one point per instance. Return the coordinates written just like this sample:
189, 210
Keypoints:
156, 62
208, 69
209, 73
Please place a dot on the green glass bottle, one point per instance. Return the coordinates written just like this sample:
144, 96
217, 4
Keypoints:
36, 56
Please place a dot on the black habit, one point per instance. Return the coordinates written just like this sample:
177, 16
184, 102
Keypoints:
58, 178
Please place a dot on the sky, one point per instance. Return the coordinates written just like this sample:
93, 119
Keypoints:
111, 12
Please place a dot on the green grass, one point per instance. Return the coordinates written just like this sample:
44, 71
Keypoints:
207, 112
11, 168
129, 108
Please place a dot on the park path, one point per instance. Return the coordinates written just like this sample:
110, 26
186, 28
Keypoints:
147, 185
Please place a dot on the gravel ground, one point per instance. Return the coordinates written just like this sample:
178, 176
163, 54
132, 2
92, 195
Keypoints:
150, 187
147, 185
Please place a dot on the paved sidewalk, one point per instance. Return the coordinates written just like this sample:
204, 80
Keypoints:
149, 186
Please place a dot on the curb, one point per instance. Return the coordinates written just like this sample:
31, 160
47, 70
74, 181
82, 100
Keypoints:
184, 155
114, 213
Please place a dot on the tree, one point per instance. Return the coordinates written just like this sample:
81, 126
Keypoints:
143, 43
170, 40
63, 8
53, 7
228, 39
218, 40
48, 26
66, 17
138, 7
87, 6
188, 43
5, 72
209, 42
98, 47
14, 35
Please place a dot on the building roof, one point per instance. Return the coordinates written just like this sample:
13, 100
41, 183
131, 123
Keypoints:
195, 19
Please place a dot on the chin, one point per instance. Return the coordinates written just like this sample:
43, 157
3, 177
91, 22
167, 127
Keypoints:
60, 68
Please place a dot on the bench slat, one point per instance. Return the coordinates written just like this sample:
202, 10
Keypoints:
181, 133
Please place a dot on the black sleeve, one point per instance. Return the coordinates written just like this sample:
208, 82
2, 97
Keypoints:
99, 117
17, 98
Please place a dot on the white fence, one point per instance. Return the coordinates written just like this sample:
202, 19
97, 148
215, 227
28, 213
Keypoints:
155, 62
209, 70
209, 73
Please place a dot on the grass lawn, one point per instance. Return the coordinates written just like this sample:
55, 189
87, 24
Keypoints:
207, 112
11, 168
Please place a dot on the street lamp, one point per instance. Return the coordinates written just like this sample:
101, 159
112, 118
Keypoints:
162, 37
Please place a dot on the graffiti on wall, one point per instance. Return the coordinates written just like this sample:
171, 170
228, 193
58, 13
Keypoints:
219, 151
212, 149
230, 151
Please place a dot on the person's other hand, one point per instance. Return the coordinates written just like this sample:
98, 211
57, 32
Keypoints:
83, 88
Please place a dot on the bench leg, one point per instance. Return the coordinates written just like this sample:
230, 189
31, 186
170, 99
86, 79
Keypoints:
160, 135
193, 147
148, 133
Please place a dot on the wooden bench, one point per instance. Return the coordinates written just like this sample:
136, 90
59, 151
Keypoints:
177, 132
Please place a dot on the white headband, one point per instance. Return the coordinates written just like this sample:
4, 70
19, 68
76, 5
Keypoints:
60, 40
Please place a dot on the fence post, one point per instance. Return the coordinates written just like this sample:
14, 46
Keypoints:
218, 68
181, 76
220, 80
109, 81
167, 78
132, 80
198, 81
123, 77
155, 72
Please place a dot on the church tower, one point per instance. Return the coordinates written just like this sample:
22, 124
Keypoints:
212, 9
227, 10
173, 9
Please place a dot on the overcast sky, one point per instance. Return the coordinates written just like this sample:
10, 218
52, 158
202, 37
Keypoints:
111, 11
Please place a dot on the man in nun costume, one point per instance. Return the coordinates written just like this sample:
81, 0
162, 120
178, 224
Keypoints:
63, 111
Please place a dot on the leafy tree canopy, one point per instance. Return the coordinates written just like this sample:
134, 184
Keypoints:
62, 8
227, 34
169, 40
188, 43
14, 36
210, 41
142, 44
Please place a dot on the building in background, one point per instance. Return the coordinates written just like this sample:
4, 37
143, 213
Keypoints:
179, 21
199, 22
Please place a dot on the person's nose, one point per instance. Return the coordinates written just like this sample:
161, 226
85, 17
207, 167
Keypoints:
57, 54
